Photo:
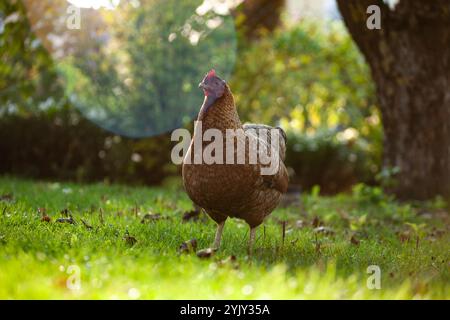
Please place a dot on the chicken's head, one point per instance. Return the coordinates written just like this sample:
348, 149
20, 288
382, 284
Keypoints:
212, 85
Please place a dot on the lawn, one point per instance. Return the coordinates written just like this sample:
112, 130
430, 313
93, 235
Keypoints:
112, 248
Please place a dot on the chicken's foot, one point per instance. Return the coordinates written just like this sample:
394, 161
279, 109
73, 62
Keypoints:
251, 241
218, 237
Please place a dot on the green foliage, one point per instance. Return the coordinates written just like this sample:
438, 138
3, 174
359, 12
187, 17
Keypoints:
309, 76
35, 254
370, 195
27, 74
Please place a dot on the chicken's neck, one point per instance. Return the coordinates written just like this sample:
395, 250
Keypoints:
222, 114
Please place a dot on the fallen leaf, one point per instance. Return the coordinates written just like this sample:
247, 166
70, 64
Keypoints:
188, 246
7, 197
299, 224
206, 253
66, 220
149, 217
231, 260
44, 216
354, 240
316, 222
404, 236
193, 215
324, 230
435, 233
130, 240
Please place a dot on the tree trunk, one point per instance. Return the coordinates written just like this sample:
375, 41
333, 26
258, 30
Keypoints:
409, 59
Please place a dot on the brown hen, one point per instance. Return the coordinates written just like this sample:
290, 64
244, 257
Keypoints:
232, 190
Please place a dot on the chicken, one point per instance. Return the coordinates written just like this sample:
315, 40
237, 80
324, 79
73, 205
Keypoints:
236, 190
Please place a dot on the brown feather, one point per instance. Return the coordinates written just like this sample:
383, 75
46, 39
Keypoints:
233, 190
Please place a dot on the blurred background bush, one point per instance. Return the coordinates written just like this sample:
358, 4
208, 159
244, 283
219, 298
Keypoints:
305, 75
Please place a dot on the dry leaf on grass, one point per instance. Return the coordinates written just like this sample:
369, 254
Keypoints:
206, 253
188, 246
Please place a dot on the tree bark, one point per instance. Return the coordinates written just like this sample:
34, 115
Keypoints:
409, 59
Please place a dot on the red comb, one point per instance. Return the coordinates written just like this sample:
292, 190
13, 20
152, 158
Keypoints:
212, 73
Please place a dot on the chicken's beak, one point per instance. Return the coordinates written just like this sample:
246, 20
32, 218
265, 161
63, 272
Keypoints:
201, 85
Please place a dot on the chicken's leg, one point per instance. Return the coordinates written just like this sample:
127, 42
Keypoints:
251, 241
218, 235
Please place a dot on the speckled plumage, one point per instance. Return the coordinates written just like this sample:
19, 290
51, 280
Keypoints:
233, 190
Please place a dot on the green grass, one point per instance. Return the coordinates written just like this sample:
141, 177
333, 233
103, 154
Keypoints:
35, 255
